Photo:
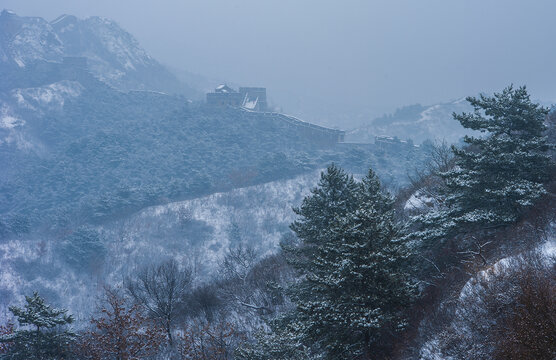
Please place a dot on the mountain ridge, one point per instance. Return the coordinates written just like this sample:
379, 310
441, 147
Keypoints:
416, 122
113, 55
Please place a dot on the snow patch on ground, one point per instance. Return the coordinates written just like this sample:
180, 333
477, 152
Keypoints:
120, 43
35, 40
9, 122
53, 95
547, 250
11, 127
419, 201
427, 115
69, 27
19, 62
40, 100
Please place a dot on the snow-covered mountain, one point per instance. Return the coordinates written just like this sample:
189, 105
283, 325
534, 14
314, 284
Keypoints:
113, 55
416, 122
27, 39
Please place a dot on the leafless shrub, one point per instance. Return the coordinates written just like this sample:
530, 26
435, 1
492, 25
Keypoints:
120, 332
529, 329
205, 301
507, 311
161, 290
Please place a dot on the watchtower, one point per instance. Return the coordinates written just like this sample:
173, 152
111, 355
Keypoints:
224, 95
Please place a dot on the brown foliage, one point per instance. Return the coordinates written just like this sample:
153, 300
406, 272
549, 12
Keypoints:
507, 311
7, 329
530, 331
122, 332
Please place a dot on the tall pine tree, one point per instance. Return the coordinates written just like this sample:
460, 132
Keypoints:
497, 176
353, 289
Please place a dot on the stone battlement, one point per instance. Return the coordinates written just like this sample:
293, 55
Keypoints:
319, 134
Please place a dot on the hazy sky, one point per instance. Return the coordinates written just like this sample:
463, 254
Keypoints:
342, 62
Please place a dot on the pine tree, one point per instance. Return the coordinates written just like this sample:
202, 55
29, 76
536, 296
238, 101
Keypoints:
42, 336
353, 290
333, 198
498, 176
370, 287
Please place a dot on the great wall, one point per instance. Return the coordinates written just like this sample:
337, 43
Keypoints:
252, 103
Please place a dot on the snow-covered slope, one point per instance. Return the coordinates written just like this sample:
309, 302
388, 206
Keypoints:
257, 216
20, 105
113, 55
198, 230
51, 96
27, 39
417, 123
479, 308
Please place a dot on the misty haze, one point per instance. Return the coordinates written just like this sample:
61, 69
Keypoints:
277, 180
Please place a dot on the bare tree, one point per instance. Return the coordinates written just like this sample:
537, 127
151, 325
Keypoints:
161, 289
440, 157
208, 341
237, 283
238, 262
205, 301
428, 181
252, 283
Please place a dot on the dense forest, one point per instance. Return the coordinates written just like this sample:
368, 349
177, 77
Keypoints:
150, 147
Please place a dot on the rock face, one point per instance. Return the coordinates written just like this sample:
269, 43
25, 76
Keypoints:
113, 55
26, 39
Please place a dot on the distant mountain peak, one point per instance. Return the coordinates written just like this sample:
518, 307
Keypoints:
114, 56
27, 39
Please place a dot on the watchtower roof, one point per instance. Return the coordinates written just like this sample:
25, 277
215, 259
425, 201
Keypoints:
224, 89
